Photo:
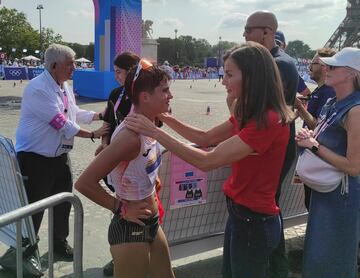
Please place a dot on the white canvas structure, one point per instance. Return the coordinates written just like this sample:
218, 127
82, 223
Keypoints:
82, 60
30, 58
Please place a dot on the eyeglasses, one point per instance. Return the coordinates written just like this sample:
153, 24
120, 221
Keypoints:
249, 29
143, 64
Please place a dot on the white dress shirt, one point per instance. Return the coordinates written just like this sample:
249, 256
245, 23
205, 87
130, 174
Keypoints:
49, 117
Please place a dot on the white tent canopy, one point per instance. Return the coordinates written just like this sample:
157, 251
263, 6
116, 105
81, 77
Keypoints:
30, 58
83, 60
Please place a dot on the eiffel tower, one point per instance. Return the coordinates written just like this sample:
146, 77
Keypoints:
348, 32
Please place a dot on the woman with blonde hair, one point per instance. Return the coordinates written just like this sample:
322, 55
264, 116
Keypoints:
333, 228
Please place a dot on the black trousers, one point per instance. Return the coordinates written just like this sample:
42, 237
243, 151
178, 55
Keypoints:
44, 177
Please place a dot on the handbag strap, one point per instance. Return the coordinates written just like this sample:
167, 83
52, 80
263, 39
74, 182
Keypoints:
345, 184
332, 114
330, 117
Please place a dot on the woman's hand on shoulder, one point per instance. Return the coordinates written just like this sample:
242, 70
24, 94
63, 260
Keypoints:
140, 124
164, 117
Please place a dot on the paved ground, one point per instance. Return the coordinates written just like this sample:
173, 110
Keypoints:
190, 102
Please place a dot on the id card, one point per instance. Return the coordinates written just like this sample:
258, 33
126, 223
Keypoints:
66, 145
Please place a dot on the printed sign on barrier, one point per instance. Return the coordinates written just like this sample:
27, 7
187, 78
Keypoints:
188, 185
33, 72
15, 73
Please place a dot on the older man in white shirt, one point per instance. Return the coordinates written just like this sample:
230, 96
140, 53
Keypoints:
45, 134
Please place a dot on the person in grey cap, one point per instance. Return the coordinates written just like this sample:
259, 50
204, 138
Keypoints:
332, 234
261, 27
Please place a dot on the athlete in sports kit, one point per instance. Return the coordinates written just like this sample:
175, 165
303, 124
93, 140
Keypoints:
137, 243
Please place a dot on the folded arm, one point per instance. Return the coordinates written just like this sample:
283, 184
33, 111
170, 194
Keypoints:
349, 164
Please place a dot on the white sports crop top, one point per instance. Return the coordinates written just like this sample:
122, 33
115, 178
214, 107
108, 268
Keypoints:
136, 179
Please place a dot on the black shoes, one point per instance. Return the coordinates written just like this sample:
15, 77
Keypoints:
31, 265
108, 269
63, 250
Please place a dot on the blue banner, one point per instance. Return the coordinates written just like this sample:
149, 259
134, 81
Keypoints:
15, 73
1, 70
33, 72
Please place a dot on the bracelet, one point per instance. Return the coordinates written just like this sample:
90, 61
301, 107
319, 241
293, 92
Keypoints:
101, 117
92, 136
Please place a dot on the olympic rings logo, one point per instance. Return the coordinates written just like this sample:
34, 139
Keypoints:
15, 72
37, 72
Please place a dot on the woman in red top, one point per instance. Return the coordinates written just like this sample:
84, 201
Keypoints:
254, 141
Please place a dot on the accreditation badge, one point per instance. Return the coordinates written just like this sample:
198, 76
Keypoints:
66, 145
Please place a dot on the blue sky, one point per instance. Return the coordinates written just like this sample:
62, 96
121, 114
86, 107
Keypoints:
310, 21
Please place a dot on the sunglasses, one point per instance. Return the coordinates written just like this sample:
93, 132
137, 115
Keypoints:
334, 67
317, 63
250, 29
143, 64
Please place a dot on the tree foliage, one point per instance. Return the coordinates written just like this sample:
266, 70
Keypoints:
299, 49
187, 50
49, 36
16, 32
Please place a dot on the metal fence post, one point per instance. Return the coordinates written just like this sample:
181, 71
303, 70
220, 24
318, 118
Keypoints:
18, 214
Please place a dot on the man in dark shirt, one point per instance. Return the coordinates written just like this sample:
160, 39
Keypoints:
261, 27
281, 42
317, 99
321, 94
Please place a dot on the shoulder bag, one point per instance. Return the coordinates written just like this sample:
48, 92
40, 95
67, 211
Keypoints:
317, 174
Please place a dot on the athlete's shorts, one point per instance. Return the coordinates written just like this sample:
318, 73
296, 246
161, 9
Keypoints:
123, 231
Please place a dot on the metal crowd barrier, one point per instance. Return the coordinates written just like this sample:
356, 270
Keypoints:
12, 193
49, 203
15, 220
188, 224
13, 196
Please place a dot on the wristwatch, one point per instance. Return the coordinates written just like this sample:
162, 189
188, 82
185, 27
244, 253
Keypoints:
315, 148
